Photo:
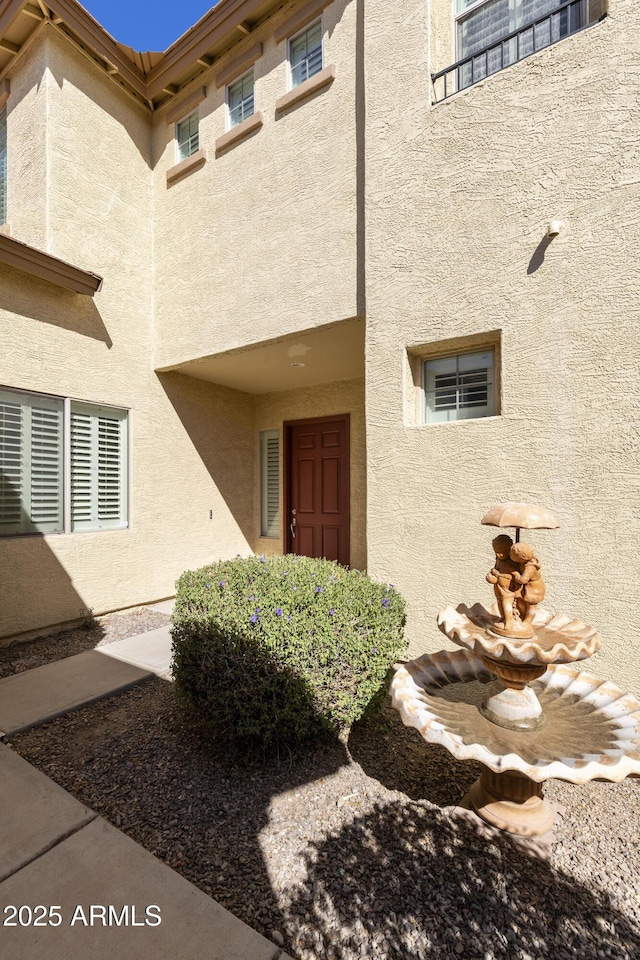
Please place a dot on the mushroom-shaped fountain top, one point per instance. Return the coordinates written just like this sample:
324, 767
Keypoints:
520, 515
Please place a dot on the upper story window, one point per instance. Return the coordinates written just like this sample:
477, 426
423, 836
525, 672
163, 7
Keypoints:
460, 387
305, 53
492, 34
187, 136
240, 99
3, 165
63, 465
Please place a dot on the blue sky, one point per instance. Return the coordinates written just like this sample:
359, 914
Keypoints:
147, 24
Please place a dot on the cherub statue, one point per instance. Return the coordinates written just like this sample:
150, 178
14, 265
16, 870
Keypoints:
505, 586
529, 577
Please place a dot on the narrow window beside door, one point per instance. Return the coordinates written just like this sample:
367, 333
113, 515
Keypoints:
270, 483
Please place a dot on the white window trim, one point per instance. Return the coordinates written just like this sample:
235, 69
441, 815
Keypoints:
187, 116
228, 125
293, 38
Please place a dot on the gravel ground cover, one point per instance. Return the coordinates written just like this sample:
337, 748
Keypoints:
353, 852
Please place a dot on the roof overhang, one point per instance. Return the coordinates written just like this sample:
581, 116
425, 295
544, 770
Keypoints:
43, 265
151, 78
303, 359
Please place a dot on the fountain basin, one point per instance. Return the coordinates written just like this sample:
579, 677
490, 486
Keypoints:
592, 729
557, 638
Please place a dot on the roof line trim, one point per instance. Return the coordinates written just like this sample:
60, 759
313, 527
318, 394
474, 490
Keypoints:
30, 260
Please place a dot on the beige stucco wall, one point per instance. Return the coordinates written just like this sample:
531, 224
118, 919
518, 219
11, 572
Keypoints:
191, 441
458, 199
345, 396
261, 240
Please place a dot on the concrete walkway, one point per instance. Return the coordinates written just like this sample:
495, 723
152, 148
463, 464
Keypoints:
81, 888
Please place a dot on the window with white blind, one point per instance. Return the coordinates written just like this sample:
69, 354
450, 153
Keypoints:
188, 135
63, 465
269, 483
240, 99
460, 387
305, 54
3, 165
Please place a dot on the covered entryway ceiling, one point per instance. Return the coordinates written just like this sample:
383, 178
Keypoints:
320, 355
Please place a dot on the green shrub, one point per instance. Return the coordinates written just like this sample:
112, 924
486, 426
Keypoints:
277, 649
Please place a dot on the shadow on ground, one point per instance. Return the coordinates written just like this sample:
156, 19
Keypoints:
408, 880
388, 874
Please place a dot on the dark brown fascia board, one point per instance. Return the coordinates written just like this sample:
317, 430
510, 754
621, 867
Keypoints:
90, 32
43, 265
220, 21
300, 19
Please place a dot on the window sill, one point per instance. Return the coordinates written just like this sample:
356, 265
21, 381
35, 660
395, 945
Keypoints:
306, 89
181, 169
239, 132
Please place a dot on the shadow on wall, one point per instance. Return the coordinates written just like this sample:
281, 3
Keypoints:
36, 592
38, 300
219, 424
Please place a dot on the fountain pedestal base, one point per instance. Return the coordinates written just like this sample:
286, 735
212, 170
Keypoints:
511, 802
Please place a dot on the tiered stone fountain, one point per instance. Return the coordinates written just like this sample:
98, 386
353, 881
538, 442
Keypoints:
512, 698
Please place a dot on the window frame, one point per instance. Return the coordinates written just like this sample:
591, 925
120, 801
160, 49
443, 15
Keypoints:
319, 21
230, 86
270, 528
101, 474
193, 148
461, 355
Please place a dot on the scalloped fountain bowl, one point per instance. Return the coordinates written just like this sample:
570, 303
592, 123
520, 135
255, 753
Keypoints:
593, 732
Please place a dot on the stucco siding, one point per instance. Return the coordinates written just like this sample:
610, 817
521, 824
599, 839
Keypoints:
458, 201
261, 240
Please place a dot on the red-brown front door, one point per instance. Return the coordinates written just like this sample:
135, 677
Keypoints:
317, 496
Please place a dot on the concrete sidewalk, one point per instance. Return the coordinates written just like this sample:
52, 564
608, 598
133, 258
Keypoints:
80, 887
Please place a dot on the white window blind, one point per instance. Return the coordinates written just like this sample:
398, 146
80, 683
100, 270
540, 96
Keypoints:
241, 99
305, 54
34, 460
31, 457
269, 483
98, 467
460, 387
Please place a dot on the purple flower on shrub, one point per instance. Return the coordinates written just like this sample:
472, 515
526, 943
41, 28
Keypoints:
221, 584
289, 617
318, 589
262, 559
207, 585
331, 612
385, 601
278, 611
254, 618
375, 649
